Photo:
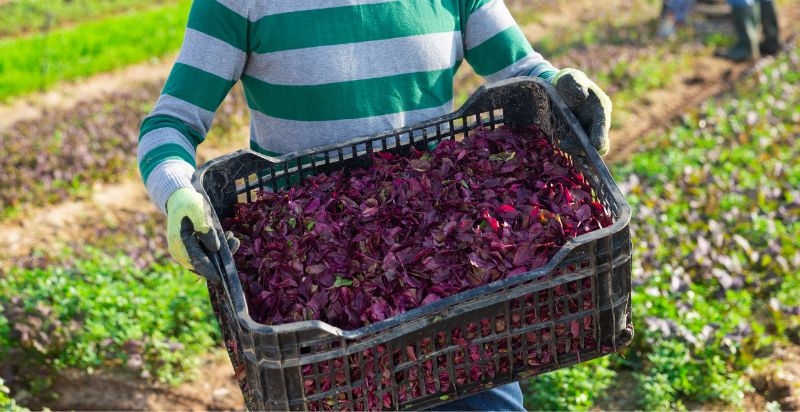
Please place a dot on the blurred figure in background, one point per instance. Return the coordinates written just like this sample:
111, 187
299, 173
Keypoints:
673, 16
747, 15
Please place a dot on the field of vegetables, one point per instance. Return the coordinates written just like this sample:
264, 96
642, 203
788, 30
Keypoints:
87, 292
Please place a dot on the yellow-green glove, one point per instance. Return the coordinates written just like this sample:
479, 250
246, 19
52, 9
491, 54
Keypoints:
189, 225
590, 105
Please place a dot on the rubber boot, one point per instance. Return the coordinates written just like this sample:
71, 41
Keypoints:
769, 22
745, 21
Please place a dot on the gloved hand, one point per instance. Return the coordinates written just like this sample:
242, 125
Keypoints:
590, 105
189, 226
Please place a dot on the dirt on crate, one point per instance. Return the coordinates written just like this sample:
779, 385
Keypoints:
213, 389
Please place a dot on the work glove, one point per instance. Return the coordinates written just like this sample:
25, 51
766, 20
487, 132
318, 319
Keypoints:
189, 230
590, 105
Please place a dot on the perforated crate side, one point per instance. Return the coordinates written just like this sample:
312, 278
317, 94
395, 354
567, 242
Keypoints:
285, 364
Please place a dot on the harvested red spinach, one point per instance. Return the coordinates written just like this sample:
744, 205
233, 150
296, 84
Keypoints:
407, 232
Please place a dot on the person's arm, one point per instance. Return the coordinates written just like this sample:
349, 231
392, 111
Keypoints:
495, 46
210, 62
497, 49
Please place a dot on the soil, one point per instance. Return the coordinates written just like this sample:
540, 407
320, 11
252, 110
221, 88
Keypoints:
780, 381
708, 77
215, 388
69, 94
620, 397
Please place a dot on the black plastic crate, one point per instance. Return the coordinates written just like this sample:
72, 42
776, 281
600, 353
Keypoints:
507, 329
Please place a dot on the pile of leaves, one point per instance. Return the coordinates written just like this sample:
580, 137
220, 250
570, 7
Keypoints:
357, 248
409, 231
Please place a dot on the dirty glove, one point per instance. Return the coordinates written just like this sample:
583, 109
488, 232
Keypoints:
590, 105
189, 226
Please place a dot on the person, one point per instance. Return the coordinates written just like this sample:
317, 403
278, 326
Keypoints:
673, 15
747, 15
319, 72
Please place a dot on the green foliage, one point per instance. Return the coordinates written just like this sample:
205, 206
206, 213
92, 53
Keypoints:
19, 16
672, 374
717, 258
39, 61
105, 313
632, 79
6, 402
575, 388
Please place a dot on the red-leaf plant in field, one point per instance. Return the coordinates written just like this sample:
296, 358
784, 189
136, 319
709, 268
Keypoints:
406, 232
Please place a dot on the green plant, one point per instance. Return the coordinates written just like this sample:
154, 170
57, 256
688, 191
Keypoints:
104, 313
7, 403
21, 16
39, 61
575, 388
671, 374
716, 254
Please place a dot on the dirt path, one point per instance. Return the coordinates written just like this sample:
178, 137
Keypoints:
709, 76
552, 17
214, 389
74, 221
69, 94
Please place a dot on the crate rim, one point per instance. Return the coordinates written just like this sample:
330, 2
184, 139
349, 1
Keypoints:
557, 104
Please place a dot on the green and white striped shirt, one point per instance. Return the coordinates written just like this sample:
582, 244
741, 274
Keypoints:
321, 71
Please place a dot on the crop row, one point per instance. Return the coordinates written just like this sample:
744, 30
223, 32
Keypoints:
103, 313
59, 156
24, 16
716, 213
39, 61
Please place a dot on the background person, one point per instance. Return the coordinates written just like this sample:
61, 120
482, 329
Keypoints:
748, 15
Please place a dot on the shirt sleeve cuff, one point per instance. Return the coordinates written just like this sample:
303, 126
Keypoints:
548, 74
543, 70
165, 179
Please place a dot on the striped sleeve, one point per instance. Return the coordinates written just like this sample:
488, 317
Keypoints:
495, 46
210, 62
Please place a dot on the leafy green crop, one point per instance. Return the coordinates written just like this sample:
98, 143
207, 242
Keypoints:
575, 388
6, 402
19, 16
716, 216
716, 213
37, 62
104, 313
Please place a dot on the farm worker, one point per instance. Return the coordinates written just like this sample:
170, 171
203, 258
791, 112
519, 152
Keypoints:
746, 18
320, 72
